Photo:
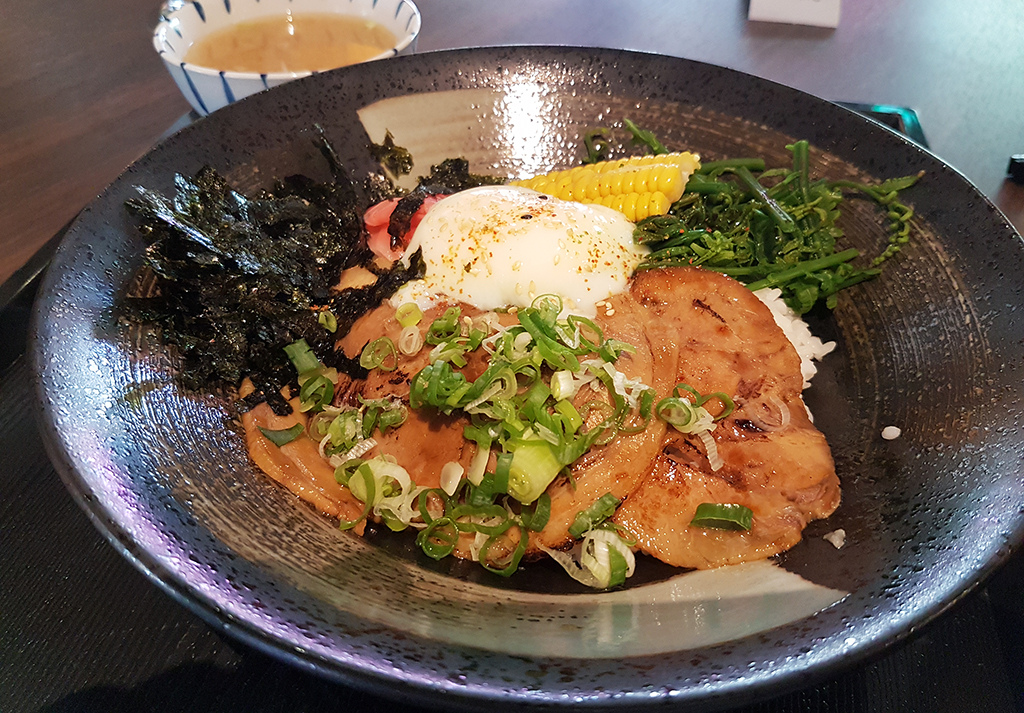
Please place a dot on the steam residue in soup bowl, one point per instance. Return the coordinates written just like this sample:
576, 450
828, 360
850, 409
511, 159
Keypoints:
218, 53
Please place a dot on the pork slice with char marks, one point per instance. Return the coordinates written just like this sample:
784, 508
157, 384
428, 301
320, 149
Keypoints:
619, 466
775, 462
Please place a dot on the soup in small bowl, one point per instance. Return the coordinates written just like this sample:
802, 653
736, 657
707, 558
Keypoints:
224, 50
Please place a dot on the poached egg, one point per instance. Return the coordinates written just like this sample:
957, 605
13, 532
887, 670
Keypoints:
503, 246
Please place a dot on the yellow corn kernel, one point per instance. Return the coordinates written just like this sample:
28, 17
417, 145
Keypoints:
658, 204
637, 187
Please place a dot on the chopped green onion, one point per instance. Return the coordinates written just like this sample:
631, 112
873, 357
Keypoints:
617, 567
345, 429
487, 519
439, 538
586, 520
445, 327
548, 306
392, 417
409, 314
301, 356
513, 559
606, 556
503, 472
282, 436
562, 385
689, 415
601, 560
534, 466
328, 321
536, 518
315, 393
362, 480
684, 416
723, 516
343, 473
572, 417
451, 476
376, 355
410, 341
423, 501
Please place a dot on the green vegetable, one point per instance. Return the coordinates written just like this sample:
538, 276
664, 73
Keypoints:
537, 517
596, 143
534, 466
302, 357
282, 436
439, 538
409, 314
723, 516
445, 327
316, 392
776, 229
586, 520
687, 413
511, 560
381, 354
328, 321
641, 137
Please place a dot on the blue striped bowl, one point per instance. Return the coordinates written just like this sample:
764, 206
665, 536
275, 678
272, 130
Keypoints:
183, 22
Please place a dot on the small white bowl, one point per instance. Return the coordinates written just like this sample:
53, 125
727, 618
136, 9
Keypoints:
182, 23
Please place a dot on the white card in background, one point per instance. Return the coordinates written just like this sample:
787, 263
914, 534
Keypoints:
820, 13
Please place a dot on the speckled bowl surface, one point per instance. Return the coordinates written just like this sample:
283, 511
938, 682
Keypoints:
935, 346
184, 22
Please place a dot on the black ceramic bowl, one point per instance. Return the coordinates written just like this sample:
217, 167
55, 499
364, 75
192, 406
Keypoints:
934, 346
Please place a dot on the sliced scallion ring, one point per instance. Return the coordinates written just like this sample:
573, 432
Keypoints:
328, 321
536, 518
368, 489
316, 392
409, 314
513, 559
445, 327
410, 341
439, 538
599, 511
379, 354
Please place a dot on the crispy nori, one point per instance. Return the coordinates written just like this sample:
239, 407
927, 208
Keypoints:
240, 278
237, 279
395, 159
453, 175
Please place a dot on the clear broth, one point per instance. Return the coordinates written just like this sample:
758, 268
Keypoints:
302, 42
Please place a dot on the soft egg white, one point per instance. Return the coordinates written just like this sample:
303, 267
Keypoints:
502, 246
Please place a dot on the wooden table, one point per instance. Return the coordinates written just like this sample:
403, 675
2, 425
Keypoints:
83, 93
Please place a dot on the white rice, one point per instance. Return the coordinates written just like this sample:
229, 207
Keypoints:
808, 346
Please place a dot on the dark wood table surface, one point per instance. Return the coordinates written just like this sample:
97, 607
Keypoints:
82, 94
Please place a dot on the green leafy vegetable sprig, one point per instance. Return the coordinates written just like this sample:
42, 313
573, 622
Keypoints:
769, 228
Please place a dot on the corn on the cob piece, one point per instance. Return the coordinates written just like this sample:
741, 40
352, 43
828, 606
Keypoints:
637, 187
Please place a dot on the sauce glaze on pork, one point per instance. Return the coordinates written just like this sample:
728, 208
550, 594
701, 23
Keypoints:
688, 326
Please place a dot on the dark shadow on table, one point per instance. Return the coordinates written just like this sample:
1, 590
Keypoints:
257, 685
